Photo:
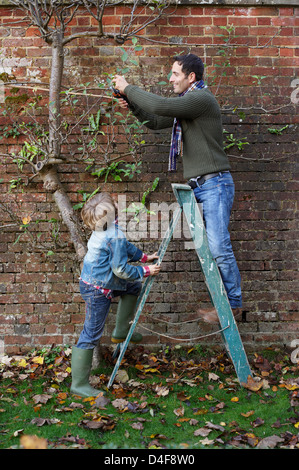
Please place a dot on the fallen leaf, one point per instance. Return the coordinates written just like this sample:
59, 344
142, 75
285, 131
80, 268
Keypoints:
193, 422
179, 411
161, 391
235, 399
121, 376
61, 396
138, 426
102, 401
213, 376
182, 396
207, 442
38, 360
214, 426
252, 384
22, 363
249, 413
203, 432
42, 421
252, 439
120, 403
33, 442
258, 422
201, 411
269, 442
41, 398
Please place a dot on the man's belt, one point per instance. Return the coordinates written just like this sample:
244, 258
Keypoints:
194, 182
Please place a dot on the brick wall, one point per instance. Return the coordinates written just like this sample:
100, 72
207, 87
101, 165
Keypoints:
255, 82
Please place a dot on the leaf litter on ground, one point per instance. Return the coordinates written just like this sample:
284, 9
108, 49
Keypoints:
153, 391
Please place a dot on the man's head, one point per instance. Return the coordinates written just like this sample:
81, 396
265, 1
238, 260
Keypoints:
186, 70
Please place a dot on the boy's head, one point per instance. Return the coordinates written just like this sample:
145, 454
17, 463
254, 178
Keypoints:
99, 212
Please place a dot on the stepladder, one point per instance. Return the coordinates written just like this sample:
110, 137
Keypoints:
188, 206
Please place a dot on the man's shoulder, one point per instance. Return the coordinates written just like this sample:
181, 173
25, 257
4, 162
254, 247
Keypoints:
204, 96
203, 92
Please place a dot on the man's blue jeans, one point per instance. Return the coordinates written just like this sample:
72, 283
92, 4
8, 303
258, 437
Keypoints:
216, 196
97, 307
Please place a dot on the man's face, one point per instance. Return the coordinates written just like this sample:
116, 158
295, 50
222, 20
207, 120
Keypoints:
180, 81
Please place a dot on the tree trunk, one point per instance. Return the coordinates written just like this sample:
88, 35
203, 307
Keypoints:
54, 97
69, 216
49, 171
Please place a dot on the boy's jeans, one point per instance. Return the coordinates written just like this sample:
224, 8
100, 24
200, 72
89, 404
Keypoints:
216, 196
97, 308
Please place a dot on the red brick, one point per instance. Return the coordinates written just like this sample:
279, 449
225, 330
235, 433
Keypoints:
42, 291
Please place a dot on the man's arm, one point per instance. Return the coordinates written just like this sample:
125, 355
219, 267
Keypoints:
150, 120
189, 106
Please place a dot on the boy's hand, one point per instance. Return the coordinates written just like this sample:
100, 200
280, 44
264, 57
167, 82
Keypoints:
154, 269
152, 257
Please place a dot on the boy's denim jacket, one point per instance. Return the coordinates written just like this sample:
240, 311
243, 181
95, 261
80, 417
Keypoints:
106, 263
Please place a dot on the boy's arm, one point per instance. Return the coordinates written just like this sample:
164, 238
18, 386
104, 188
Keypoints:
120, 260
120, 249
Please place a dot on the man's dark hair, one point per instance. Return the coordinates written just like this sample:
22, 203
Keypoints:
191, 63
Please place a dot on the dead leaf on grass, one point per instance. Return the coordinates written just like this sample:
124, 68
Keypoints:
138, 426
120, 404
269, 442
203, 432
213, 376
179, 411
258, 422
161, 391
252, 384
33, 442
193, 422
121, 376
249, 413
42, 421
207, 442
102, 401
218, 427
41, 398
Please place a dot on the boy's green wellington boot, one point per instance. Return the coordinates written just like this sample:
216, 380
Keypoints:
81, 367
125, 312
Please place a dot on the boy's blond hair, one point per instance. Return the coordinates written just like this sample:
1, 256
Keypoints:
99, 212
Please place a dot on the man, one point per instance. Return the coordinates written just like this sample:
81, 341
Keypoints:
198, 137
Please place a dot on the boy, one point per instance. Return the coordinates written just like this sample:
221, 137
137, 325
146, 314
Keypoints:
106, 273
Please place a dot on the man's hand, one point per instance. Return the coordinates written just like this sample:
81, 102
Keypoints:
120, 83
122, 103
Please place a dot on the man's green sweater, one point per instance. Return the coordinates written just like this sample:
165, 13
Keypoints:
200, 117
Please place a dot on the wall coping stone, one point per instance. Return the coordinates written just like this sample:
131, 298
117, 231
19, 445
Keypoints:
218, 3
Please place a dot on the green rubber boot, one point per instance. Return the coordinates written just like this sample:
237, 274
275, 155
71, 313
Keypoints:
81, 367
125, 313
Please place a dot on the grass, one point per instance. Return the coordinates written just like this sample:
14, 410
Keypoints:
172, 400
